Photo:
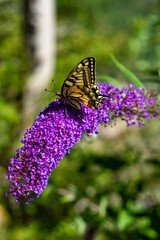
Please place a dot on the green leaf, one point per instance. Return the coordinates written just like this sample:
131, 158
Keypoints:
151, 233
110, 80
103, 207
80, 225
128, 73
110, 113
124, 220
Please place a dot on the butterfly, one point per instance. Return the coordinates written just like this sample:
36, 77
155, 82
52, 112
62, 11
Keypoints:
80, 86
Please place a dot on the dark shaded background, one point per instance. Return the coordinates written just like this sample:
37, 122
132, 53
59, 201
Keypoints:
108, 187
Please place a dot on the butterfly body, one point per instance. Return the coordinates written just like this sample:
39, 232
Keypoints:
80, 86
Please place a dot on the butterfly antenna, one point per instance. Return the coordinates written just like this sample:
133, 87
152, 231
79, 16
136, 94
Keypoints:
53, 82
46, 90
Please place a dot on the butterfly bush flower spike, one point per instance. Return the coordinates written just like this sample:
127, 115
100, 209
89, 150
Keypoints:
60, 126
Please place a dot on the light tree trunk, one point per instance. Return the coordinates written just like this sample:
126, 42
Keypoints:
40, 36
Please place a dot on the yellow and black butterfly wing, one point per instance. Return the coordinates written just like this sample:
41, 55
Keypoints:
74, 96
80, 85
77, 94
80, 77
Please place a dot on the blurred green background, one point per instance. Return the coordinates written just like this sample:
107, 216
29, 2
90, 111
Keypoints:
108, 187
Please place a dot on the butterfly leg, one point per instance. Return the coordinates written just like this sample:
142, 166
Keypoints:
65, 110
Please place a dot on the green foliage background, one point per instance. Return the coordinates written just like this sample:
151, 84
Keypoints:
108, 187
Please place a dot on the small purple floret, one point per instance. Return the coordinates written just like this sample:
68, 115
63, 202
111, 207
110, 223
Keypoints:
60, 126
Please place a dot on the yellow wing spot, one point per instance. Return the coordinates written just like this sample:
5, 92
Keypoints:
74, 73
79, 75
80, 65
76, 94
69, 83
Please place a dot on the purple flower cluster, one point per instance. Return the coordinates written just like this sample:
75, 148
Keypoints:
60, 126
130, 104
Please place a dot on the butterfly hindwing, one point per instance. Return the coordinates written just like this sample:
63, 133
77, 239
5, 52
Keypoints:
74, 102
76, 93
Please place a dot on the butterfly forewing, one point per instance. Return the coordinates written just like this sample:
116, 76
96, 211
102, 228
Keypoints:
80, 85
77, 72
